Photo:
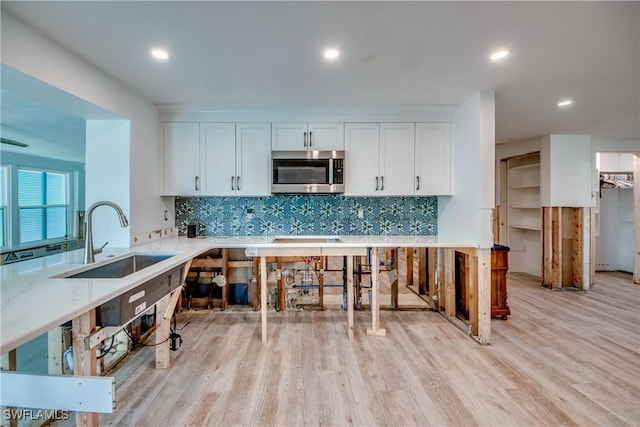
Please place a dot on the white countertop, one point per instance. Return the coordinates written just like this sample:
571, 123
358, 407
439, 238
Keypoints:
33, 301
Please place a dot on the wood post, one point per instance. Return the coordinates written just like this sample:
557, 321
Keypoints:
282, 300
636, 216
263, 297
484, 295
375, 300
409, 257
84, 360
473, 295
350, 315
10, 363
225, 272
422, 272
449, 282
55, 349
323, 266
163, 330
432, 260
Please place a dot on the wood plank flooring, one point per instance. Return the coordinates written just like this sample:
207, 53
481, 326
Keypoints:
562, 358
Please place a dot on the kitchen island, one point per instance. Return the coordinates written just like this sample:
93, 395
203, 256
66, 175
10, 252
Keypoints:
75, 299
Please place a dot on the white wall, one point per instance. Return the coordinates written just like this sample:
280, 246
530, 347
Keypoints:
467, 215
35, 55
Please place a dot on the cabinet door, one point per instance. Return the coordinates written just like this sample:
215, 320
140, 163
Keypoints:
289, 136
433, 159
326, 136
396, 155
181, 164
362, 154
253, 159
217, 158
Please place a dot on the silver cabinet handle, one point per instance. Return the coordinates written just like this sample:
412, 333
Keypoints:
310, 139
305, 139
237, 183
197, 182
382, 183
417, 183
232, 185
376, 183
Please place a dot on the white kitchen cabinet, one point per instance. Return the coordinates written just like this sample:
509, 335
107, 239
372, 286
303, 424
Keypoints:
216, 159
181, 159
433, 159
253, 159
379, 159
362, 159
396, 159
307, 136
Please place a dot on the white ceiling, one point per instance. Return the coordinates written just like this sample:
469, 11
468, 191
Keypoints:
393, 53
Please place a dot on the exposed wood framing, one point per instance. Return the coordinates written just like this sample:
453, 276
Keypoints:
422, 272
577, 231
350, 301
263, 297
636, 220
55, 349
449, 282
163, 329
225, 272
484, 296
472, 293
375, 297
409, 264
84, 360
432, 259
9, 362
556, 247
323, 266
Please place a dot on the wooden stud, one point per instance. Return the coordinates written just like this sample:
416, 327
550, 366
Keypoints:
263, 297
163, 330
375, 300
556, 250
432, 260
547, 247
422, 272
636, 216
577, 247
55, 349
592, 245
323, 265
225, 272
449, 282
409, 263
473, 297
84, 360
484, 295
282, 301
350, 301
9, 362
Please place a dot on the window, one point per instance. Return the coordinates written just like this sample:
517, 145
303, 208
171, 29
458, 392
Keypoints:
43, 204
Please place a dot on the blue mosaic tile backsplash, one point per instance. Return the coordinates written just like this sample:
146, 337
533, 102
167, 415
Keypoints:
307, 215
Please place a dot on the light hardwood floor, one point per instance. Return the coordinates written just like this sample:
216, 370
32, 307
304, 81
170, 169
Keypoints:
562, 358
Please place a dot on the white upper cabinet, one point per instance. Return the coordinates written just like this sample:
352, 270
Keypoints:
307, 136
362, 159
396, 159
181, 159
253, 159
379, 159
433, 159
216, 159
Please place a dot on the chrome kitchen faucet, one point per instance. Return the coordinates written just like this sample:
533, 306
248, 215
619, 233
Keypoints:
89, 250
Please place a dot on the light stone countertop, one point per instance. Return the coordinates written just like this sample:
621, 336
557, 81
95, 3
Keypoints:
34, 301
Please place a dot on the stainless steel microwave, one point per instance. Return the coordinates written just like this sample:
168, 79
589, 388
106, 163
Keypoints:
307, 172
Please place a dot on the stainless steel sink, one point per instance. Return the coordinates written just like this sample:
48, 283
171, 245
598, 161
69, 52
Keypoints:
118, 268
307, 239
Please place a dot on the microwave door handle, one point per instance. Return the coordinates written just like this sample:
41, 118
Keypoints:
330, 169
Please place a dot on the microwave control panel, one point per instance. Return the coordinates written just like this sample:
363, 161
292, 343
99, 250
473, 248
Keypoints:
338, 174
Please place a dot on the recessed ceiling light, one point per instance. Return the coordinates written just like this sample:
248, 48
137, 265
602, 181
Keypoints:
499, 55
565, 102
159, 54
331, 54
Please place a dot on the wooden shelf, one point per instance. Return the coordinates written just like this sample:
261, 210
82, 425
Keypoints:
525, 167
522, 187
526, 227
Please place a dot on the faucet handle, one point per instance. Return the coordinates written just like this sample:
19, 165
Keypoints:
99, 250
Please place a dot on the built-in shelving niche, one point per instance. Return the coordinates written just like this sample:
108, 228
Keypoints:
523, 213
